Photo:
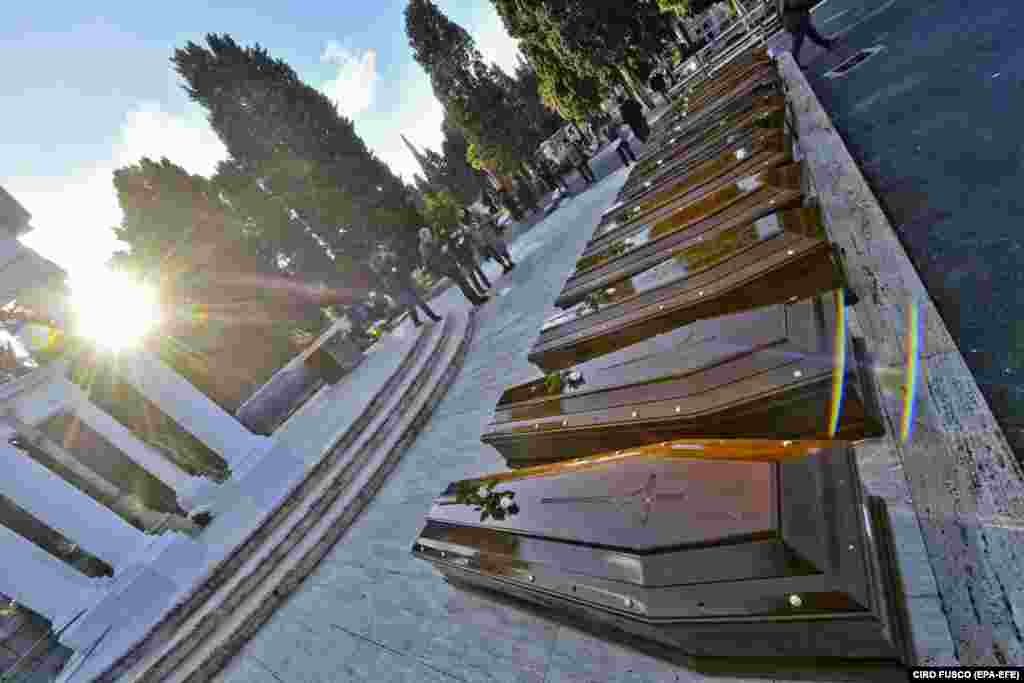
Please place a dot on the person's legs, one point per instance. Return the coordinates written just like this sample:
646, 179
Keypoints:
816, 37
583, 174
482, 276
412, 299
412, 316
628, 150
471, 294
799, 33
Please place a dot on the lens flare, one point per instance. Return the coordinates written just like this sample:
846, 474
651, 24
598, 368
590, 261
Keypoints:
912, 369
114, 310
838, 364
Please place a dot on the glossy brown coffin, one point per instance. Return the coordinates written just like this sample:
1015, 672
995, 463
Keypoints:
728, 270
686, 158
645, 244
764, 149
691, 556
765, 82
775, 372
629, 221
682, 99
690, 108
735, 114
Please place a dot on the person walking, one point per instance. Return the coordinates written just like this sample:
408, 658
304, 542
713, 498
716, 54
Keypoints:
484, 248
613, 133
579, 160
488, 231
796, 18
659, 85
397, 276
633, 114
439, 261
550, 174
462, 249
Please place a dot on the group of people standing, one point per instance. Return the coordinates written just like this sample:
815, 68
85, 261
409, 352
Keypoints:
457, 255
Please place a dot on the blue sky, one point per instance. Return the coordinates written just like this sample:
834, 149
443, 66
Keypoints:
88, 88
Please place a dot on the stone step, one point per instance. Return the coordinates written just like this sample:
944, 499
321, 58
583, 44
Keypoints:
207, 642
366, 413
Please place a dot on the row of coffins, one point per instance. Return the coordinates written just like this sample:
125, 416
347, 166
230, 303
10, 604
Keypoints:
681, 469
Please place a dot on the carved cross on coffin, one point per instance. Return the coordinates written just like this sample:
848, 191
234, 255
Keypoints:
645, 497
703, 557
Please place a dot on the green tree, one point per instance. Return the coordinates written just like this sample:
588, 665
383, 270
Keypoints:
475, 96
177, 223
464, 181
443, 211
185, 234
589, 39
291, 139
574, 96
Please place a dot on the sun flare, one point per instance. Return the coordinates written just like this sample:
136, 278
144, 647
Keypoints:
114, 310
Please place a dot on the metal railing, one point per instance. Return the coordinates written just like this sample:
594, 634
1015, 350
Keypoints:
752, 25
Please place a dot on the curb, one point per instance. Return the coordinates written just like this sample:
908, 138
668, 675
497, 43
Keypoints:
965, 484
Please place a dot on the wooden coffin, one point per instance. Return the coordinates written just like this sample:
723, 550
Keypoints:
691, 108
766, 149
778, 372
768, 261
741, 113
722, 86
766, 83
684, 158
687, 556
623, 217
644, 244
726, 74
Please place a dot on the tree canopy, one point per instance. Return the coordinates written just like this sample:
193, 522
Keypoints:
580, 46
480, 99
291, 140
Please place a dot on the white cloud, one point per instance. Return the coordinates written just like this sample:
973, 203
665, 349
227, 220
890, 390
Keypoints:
416, 113
419, 114
353, 87
73, 214
493, 40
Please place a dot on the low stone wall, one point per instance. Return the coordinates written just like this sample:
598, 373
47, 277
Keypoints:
965, 486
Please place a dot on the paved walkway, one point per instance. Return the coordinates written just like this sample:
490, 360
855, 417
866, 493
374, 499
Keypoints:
933, 121
371, 612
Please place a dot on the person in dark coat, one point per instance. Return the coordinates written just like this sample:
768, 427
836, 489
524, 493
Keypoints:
659, 85
466, 256
397, 277
796, 18
633, 114
613, 133
579, 159
441, 262
550, 174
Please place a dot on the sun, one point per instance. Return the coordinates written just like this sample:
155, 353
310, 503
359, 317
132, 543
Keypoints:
114, 310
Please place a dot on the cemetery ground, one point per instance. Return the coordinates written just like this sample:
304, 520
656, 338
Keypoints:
371, 612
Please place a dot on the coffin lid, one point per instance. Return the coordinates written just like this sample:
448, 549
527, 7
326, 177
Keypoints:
632, 501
